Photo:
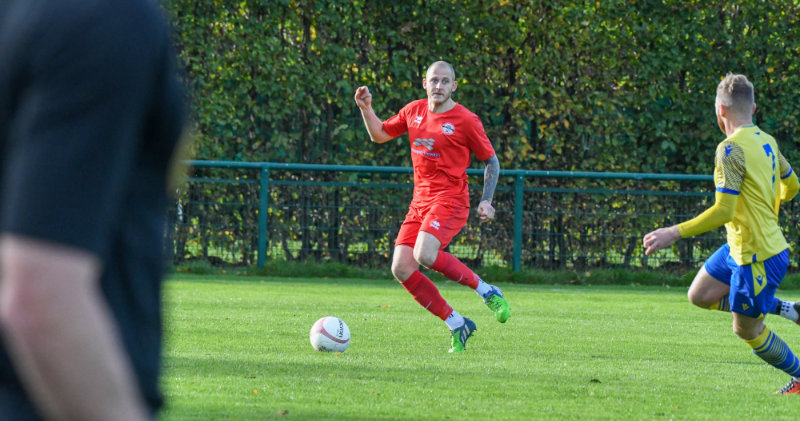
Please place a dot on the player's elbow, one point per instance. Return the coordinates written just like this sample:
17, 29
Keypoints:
380, 137
19, 319
789, 189
724, 212
720, 216
728, 215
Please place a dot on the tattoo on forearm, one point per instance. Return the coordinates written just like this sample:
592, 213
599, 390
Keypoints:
490, 176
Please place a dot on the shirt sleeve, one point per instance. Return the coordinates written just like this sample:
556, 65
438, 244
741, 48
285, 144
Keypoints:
714, 217
478, 142
729, 168
398, 124
74, 137
789, 182
729, 171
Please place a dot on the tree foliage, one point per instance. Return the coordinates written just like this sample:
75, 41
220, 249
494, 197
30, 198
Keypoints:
567, 85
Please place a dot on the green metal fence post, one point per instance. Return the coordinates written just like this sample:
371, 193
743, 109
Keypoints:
519, 182
263, 213
557, 228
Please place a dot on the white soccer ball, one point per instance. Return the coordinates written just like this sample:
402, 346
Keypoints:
330, 334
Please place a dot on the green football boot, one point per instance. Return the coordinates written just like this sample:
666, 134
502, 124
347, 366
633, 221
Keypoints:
499, 306
461, 334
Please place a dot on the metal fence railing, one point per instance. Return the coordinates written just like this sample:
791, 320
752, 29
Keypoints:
239, 213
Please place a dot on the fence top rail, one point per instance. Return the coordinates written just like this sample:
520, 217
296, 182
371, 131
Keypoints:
471, 171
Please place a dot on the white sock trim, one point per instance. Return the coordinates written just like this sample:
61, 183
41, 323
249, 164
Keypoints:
483, 288
455, 320
788, 311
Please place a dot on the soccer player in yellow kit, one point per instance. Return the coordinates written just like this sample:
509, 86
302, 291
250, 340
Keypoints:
752, 179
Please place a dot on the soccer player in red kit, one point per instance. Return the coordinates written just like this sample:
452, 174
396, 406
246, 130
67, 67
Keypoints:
442, 134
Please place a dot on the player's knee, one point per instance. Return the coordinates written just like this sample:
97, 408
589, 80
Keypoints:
401, 271
702, 298
747, 332
424, 258
698, 299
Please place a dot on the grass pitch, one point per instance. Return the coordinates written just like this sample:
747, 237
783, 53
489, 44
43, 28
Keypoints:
237, 348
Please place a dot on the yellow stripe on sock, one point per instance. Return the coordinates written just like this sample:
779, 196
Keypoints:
760, 340
720, 305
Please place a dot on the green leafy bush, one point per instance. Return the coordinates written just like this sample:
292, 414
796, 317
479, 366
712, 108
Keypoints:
601, 86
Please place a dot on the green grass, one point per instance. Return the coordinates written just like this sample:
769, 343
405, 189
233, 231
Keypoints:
617, 276
237, 349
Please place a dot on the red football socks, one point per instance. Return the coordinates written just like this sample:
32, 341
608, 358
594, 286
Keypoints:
449, 266
427, 295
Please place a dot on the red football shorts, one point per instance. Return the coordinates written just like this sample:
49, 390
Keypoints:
442, 221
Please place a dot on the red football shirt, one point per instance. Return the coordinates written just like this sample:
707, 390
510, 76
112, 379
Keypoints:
440, 150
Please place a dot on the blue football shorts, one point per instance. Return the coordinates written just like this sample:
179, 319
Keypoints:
753, 285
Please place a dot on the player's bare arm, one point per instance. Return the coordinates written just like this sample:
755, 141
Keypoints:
373, 124
490, 175
69, 376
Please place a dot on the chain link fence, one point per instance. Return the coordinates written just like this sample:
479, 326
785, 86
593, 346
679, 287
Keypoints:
242, 214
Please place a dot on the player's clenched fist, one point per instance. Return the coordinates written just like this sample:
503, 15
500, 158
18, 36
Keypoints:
363, 97
485, 211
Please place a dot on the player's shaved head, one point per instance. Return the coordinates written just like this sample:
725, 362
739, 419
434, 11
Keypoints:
735, 92
440, 83
444, 64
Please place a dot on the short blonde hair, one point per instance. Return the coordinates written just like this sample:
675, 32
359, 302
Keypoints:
735, 92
